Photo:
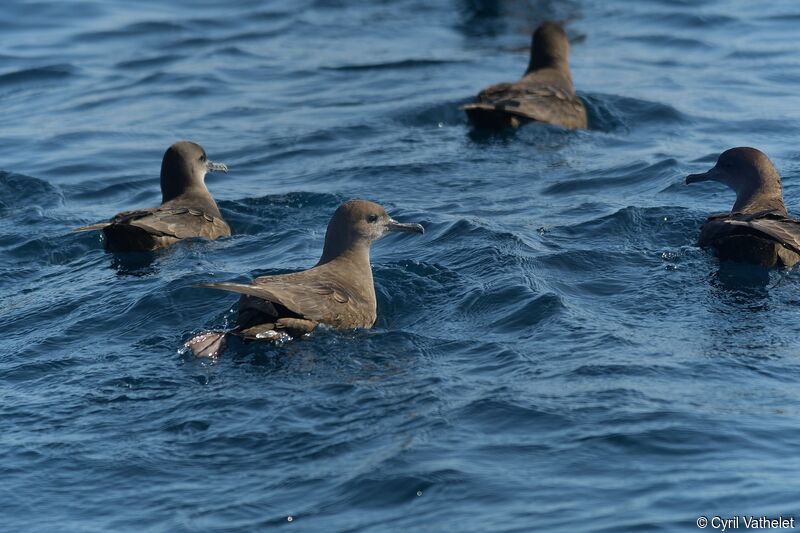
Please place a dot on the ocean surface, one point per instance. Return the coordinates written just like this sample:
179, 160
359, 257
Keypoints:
554, 354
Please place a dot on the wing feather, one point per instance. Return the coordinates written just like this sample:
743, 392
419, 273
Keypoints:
321, 301
533, 100
784, 230
92, 227
179, 223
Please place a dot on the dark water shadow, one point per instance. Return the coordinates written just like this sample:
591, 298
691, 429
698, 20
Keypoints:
540, 137
136, 264
739, 283
491, 135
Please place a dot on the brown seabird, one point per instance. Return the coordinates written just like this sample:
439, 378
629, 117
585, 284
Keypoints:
187, 209
758, 230
337, 291
544, 94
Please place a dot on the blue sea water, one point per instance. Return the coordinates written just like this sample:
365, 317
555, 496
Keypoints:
554, 354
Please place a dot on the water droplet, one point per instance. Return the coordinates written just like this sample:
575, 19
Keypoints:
441, 124
419, 493
289, 518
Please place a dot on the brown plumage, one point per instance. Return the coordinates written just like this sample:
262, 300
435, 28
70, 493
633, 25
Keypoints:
758, 230
544, 94
337, 291
187, 209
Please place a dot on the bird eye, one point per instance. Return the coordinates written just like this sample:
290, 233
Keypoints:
372, 219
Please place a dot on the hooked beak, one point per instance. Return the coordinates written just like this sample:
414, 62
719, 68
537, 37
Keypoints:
394, 225
711, 175
216, 167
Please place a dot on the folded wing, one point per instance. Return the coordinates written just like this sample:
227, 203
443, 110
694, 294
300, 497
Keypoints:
318, 300
533, 101
178, 223
784, 230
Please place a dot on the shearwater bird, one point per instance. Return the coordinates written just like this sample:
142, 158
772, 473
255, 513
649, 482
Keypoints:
758, 230
544, 94
337, 291
187, 209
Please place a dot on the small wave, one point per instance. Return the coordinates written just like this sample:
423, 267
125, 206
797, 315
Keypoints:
397, 65
294, 200
434, 115
668, 441
519, 308
233, 51
18, 190
252, 216
627, 177
531, 314
405, 288
791, 18
611, 112
502, 416
50, 250
654, 226
273, 15
132, 30
127, 186
750, 53
464, 228
33, 370
159, 26
48, 73
194, 43
695, 20
627, 369
492, 18
669, 41
149, 62
192, 91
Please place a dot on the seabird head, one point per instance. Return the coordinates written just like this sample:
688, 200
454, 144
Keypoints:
750, 173
358, 223
549, 47
183, 168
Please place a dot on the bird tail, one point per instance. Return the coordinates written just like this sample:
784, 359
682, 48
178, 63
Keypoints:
208, 344
92, 227
490, 116
128, 238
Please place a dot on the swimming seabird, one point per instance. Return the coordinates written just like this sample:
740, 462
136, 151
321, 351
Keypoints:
758, 230
337, 291
187, 209
544, 94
